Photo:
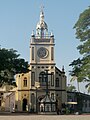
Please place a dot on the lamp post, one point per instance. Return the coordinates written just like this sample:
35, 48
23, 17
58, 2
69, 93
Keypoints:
37, 85
46, 79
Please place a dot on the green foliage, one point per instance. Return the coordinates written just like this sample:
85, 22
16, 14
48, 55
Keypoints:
10, 65
81, 66
76, 70
71, 88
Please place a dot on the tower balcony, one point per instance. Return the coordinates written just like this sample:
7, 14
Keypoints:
44, 38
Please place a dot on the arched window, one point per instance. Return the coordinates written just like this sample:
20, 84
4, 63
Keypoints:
52, 53
32, 78
52, 78
32, 98
25, 82
42, 78
52, 96
0, 102
32, 53
57, 82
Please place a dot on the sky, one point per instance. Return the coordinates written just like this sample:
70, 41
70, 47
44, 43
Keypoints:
19, 17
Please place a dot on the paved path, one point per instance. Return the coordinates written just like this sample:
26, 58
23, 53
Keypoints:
45, 117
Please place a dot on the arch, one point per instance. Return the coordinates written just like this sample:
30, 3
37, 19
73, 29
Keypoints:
42, 78
42, 73
33, 99
25, 78
57, 82
24, 104
41, 97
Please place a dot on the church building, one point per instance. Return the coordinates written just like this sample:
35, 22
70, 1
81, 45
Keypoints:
44, 77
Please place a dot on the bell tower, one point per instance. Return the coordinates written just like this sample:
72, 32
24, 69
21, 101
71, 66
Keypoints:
42, 60
42, 44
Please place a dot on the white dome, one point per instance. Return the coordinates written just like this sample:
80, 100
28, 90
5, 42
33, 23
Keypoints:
41, 25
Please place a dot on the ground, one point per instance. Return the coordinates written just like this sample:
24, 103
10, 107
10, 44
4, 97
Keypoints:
44, 117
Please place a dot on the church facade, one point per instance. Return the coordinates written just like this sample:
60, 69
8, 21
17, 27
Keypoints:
33, 86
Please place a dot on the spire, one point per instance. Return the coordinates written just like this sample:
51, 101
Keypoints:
32, 33
41, 14
41, 28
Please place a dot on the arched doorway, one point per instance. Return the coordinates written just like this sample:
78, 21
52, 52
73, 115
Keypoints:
24, 104
39, 101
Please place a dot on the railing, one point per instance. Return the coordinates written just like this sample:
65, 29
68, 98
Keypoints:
41, 40
42, 36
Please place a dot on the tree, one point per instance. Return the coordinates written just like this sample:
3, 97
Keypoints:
71, 88
81, 66
10, 65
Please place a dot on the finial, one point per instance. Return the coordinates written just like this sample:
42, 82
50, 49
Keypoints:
52, 34
32, 33
63, 68
41, 14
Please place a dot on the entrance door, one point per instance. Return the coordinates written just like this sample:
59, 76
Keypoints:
24, 104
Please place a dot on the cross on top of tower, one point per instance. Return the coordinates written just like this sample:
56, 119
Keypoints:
41, 28
41, 8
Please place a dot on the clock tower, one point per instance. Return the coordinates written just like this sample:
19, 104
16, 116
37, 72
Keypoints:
41, 60
42, 44
41, 49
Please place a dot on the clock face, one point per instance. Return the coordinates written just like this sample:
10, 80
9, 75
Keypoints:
42, 52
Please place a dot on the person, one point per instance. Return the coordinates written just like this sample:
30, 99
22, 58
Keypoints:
58, 111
